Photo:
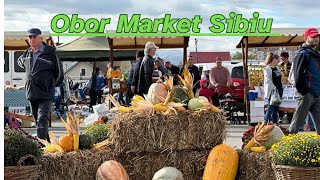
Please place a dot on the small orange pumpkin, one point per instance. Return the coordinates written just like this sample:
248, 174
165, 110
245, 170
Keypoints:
111, 170
66, 142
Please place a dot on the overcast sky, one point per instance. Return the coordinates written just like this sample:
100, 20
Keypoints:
21, 15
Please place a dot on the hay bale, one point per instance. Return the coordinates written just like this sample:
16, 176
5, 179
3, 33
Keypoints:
81, 165
147, 132
255, 166
145, 165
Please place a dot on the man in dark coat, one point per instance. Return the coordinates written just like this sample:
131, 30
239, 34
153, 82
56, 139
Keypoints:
44, 72
195, 73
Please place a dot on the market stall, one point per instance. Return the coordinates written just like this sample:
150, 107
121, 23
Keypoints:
288, 37
138, 42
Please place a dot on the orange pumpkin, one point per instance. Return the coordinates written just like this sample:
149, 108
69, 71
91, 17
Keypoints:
222, 163
155, 91
111, 170
66, 142
99, 122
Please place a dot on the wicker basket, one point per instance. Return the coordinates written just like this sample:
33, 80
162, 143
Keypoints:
23, 172
296, 173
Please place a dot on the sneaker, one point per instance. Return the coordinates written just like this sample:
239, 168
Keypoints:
307, 127
312, 129
280, 121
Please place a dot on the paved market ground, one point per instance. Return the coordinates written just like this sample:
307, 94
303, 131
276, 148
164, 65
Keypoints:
234, 132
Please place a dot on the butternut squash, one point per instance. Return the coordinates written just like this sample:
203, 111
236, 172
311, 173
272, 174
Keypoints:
222, 163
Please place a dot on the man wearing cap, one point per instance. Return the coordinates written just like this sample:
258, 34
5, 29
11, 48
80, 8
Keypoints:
146, 68
307, 80
44, 72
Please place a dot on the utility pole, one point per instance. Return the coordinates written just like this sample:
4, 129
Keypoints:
196, 43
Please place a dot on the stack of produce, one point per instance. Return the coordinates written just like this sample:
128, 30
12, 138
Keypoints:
83, 152
255, 159
169, 127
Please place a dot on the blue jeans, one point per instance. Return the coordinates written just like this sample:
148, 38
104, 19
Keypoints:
272, 111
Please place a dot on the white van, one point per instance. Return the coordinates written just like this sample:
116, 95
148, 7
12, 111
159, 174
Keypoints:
14, 70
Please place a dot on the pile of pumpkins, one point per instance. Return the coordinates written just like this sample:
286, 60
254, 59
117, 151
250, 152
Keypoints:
180, 99
222, 163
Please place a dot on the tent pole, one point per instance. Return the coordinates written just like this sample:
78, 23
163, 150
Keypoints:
185, 51
245, 79
110, 40
247, 102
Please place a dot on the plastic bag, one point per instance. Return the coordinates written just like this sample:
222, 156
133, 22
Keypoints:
100, 110
275, 99
91, 119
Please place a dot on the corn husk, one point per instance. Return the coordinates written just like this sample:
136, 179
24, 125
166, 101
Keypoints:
262, 132
72, 124
187, 81
53, 146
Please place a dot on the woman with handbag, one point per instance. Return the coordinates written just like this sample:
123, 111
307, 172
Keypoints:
272, 87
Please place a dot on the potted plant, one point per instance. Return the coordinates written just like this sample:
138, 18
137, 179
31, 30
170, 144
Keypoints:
296, 156
21, 155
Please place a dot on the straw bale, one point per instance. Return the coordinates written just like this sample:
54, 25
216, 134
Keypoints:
255, 166
144, 165
81, 165
148, 132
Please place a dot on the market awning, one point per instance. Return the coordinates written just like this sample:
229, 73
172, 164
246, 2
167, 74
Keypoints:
17, 40
139, 42
87, 48
289, 37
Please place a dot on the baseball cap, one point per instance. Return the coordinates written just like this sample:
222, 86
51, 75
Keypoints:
34, 32
311, 32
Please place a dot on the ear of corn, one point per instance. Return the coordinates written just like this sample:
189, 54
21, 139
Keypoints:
125, 109
250, 144
160, 107
258, 149
53, 146
214, 109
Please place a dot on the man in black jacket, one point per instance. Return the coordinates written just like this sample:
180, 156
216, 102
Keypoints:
146, 68
195, 73
44, 72
173, 70
306, 68
134, 76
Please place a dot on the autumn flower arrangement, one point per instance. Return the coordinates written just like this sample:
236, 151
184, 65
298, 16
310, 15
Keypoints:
301, 150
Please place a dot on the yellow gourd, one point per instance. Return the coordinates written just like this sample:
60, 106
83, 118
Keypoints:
258, 149
222, 163
66, 142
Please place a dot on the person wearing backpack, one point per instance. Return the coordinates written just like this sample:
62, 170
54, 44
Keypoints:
306, 78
